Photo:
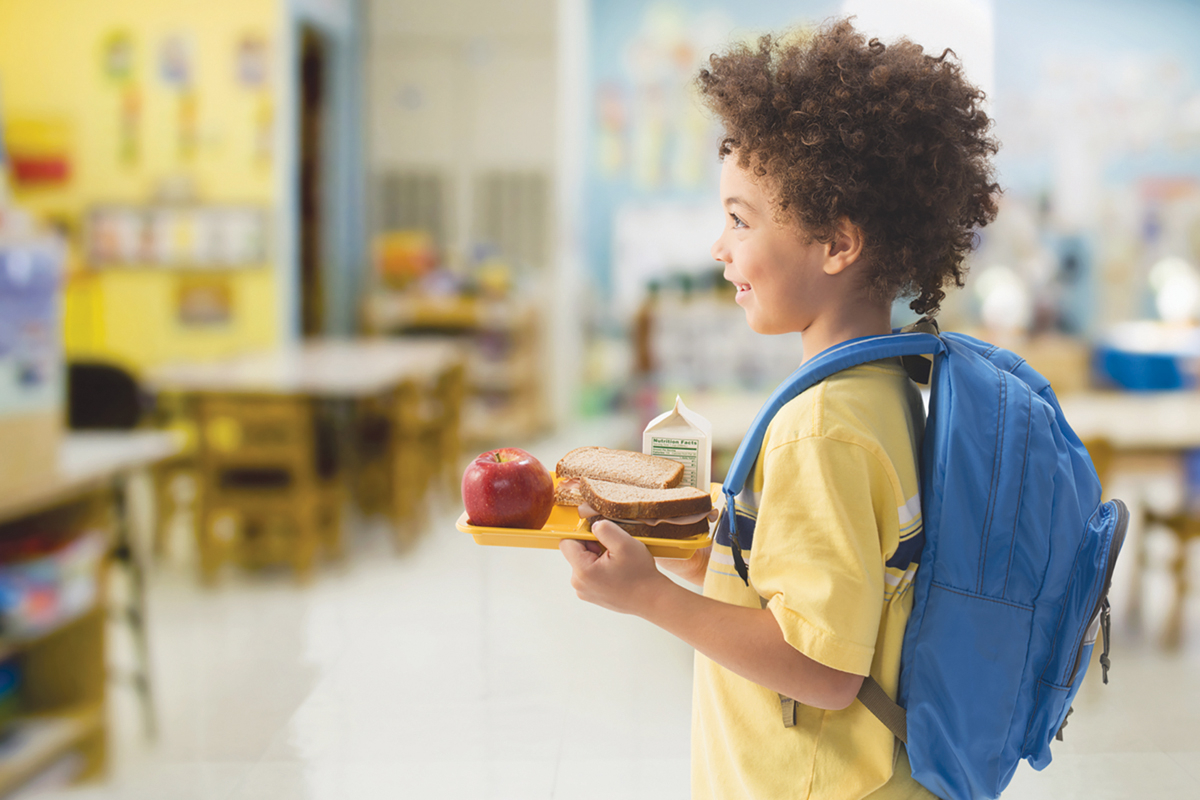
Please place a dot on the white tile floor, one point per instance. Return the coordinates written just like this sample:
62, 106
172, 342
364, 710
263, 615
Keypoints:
464, 672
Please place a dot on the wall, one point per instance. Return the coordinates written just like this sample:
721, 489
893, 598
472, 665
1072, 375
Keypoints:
1097, 105
651, 169
51, 68
464, 88
461, 86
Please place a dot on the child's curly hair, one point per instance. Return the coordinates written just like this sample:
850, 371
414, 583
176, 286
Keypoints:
887, 136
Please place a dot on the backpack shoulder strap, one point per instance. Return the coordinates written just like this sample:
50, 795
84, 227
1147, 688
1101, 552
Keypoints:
870, 694
906, 346
886, 710
835, 359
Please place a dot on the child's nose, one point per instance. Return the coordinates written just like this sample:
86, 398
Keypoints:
718, 249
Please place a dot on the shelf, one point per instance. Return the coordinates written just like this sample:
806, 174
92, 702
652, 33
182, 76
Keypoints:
398, 311
11, 645
504, 383
34, 743
181, 269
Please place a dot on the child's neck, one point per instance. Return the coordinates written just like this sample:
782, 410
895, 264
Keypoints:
863, 319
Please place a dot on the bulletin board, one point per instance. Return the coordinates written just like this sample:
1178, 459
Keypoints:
651, 147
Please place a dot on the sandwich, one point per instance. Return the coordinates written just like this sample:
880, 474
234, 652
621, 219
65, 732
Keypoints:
616, 466
639, 492
678, 512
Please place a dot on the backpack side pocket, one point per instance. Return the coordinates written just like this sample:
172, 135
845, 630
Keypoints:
1071, 648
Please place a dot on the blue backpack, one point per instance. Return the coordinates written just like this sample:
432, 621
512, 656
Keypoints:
1015, 567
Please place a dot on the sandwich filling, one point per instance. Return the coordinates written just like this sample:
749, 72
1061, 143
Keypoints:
586, 511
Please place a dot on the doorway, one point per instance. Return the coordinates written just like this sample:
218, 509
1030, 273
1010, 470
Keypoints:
314, 75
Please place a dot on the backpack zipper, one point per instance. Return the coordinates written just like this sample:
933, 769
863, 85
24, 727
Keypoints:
1102, 609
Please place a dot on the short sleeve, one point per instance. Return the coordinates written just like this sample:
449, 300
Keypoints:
817, 555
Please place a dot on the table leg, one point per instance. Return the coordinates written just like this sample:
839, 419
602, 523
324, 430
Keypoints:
125, 555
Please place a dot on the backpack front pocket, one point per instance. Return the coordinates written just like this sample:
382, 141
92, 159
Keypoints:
945, 687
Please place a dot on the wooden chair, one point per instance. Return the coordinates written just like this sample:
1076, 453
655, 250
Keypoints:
1184, 524
370, 484
177, 481
270, 486
408, 466
442, 429
409, 444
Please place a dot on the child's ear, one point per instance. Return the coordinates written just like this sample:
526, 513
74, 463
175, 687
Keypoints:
846, 247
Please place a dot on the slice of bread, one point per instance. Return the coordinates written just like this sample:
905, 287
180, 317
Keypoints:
660, 531
622, 501
620, 466
566, 493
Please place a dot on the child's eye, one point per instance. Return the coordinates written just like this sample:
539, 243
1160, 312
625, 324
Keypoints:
737, 222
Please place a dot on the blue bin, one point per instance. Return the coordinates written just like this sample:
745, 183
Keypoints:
1143, 372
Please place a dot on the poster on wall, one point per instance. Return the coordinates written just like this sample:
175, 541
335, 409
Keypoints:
39, 151
252, 72
176, 70
192, 237
204, 301
175, 61
118, 65
251, 61
652, 147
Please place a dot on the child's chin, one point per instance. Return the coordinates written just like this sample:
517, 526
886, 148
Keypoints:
759, 325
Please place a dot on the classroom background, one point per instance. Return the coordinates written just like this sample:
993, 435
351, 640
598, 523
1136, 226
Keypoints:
273, 272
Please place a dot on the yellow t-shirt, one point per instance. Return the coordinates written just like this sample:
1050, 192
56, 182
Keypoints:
837, 517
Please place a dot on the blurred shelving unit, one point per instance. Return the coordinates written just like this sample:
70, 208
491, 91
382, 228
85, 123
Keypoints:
58, 723
60, 532
503, 341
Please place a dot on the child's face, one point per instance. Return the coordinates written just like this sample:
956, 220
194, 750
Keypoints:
776, 268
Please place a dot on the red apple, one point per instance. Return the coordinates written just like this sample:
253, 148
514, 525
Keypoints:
507, 488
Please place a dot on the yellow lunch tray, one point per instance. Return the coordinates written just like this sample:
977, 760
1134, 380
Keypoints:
565, 523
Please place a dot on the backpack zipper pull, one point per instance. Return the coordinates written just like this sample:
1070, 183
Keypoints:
1105, 615
1059, 736
739, 563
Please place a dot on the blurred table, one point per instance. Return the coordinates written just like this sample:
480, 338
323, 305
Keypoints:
1127, 420
1165, 421
1146, 432
87, 462
341, 381
323, 368
1130, 422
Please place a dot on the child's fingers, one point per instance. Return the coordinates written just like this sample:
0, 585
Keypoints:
576, 552
612, 536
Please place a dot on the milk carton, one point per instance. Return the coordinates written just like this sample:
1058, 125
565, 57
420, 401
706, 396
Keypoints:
685, 436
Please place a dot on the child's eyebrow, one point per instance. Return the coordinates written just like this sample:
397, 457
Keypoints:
737, 201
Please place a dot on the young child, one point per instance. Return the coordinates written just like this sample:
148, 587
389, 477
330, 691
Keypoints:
853, 173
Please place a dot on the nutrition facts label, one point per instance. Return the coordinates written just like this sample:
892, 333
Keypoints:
685, 451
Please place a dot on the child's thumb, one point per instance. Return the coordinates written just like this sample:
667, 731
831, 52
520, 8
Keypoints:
611, 535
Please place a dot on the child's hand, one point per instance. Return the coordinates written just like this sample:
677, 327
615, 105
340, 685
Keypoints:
691, 569
620, 575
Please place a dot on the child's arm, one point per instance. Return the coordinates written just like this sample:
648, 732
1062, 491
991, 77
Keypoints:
747, 641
